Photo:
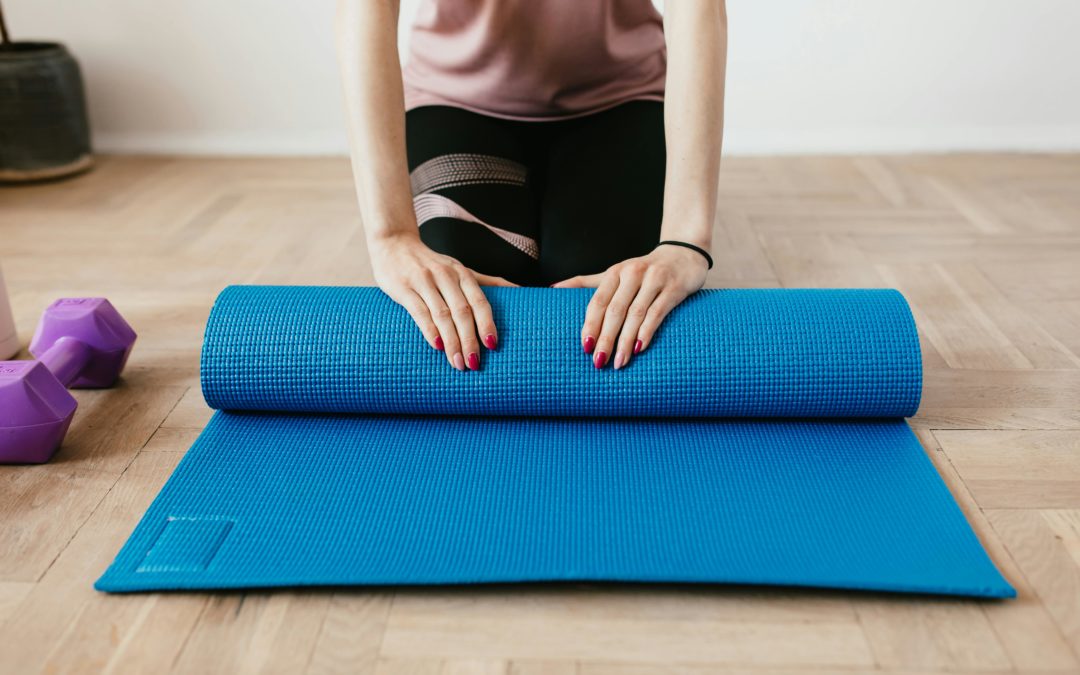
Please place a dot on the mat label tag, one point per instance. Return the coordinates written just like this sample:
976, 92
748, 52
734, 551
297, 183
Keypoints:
186, 544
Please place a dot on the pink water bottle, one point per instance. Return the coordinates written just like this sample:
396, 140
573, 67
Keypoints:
9, 341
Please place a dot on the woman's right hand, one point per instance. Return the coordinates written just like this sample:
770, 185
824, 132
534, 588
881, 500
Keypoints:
442, 296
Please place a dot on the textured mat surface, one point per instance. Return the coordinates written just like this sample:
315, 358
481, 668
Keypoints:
768, 353
759, 440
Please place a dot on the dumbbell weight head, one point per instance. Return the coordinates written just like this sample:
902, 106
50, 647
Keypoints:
80, 342
100, 329
35, 412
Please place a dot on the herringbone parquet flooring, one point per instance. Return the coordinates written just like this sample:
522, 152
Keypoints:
986, 247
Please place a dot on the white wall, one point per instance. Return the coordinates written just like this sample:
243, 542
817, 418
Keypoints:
259, 76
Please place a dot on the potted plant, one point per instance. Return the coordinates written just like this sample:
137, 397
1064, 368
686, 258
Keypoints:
44, 132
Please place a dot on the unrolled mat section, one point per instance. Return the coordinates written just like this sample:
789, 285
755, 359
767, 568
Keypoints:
759, 440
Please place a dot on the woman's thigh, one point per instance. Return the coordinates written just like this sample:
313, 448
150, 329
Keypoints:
473, 190
603, 195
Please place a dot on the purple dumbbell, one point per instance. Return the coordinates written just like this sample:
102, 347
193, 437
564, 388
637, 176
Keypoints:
80, 342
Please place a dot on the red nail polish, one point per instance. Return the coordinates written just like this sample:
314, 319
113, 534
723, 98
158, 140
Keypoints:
590, 344
474, 361
438, 343
637, 347
600, 359
490, 341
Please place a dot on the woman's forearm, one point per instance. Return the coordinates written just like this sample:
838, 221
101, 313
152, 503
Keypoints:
693, 116
441, 295
366, 33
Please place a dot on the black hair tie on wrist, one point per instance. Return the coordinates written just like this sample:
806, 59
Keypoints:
703, 252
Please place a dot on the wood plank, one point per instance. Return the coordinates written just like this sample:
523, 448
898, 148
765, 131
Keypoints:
63, 602
804, 260
697, 669
1017, 389
254, 633
958, 327
822, 644
647, 602
475, 667
1043, 550
191, 412
51, 503
1022, 626
543, 668
637, 623
932, 635
11, 595
171, 439
1039, 347
351, 633
1049, 280
154, 639
1061, 318
740, 259
1017, 469
408, 666
996, 418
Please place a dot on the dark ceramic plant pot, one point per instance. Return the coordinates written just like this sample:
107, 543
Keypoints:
44, 132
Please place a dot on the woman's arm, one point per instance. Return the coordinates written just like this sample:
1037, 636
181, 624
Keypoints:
693, 117
634, 297
442, 296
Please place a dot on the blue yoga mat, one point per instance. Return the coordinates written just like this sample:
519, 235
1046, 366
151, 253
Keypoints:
759, 440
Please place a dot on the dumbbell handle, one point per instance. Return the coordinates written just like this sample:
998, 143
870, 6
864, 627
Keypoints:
66, 359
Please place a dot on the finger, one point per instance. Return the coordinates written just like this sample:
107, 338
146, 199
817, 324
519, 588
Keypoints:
461, 311
488, 280
585, 281
594, 313
485, 322
416, 308
443, 318
658, 311
615, 315
629, 344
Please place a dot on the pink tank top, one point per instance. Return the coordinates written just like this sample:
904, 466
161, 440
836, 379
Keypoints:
535, 59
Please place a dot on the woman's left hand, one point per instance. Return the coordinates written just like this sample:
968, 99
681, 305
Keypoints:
633, 298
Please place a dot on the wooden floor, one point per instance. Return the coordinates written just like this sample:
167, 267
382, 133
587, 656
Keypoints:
987, 249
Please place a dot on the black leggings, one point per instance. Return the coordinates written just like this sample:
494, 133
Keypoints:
538, 202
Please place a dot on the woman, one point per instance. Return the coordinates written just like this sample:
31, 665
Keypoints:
537, 148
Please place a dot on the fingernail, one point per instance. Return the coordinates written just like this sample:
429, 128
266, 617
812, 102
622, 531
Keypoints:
438, 343
590, 344
600, 359
474, 361
490, 341
637, 347
620, 360
459, 362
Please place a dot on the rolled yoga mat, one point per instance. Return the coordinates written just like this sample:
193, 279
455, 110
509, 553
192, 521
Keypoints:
759, 440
